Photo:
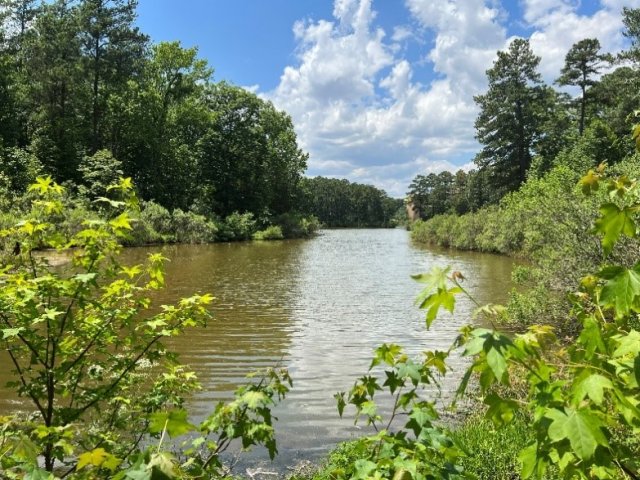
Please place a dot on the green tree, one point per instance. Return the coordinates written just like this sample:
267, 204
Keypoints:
250, 159
55, 99
509, 122
157, 121
631, 22
87, 351
112, 48
581, 65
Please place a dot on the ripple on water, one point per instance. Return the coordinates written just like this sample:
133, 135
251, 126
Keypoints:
318, 307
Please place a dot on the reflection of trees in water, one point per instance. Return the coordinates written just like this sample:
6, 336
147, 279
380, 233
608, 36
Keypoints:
322, 304
253, 284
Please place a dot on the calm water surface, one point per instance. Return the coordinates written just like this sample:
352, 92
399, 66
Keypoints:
318, 307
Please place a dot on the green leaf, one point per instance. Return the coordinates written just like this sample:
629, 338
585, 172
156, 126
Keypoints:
121, 222
501, 410
528, 458
174, 421
254, 399
94, 458
613, 223
589, 183
497, 363
621, 289
580, 427
163, 462
341, 402
25, 449
11, 332
628, 344
364, 468
443, 298
38, 474
139, 473
592, 386
435, 279
85, 277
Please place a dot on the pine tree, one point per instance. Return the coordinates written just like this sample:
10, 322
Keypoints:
582, 63
113, 49
509, 122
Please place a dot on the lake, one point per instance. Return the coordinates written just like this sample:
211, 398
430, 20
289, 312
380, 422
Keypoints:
318, 307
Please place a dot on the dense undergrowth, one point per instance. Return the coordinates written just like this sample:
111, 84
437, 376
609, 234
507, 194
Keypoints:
547, 225
154, 224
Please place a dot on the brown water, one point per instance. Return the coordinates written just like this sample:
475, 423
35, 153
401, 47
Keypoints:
318, 307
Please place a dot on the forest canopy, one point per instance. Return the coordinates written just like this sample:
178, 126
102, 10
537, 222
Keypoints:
85, 97
525, 127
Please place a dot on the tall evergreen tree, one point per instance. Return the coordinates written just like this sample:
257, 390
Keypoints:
113, 49
509, 120
54, 92
581, 65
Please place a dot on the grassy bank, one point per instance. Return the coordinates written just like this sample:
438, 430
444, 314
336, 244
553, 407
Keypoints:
490, 453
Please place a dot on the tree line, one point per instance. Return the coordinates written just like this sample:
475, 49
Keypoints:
85, 97
526, 127
340, 203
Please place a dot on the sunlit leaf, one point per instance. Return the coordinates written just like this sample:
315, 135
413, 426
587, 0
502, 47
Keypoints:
613, 223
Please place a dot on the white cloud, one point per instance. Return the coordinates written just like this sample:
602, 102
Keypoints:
558, 25
363, 113
401, 33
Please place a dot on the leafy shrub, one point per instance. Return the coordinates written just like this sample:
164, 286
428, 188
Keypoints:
154, 225
87, 352
238, 226
18, 168
274, 232
98, 171
189, 227
296, 225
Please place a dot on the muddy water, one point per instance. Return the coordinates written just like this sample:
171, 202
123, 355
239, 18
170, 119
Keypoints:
318, 307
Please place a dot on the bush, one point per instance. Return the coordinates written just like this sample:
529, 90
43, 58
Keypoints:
295, 225
189, 227
274, 232
87, 351
154, 225
238, 226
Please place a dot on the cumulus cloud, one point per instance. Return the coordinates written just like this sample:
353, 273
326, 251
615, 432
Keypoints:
557, 25
363, 113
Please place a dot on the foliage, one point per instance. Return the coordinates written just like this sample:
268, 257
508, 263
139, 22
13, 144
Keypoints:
238, 226
79, 78
189, 227
508, 125
273, 232
98, 172
492, 452
432, 194
296, 225
581, 394
408, 443
340, 203
19, 167
87, 349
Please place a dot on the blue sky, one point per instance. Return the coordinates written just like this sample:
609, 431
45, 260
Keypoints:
379, 90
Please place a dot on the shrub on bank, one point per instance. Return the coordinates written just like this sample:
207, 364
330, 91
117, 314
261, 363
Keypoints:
274, 232
189, 227
296, 225
237, 226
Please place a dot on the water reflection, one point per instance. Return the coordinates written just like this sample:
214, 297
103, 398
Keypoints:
319, 307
